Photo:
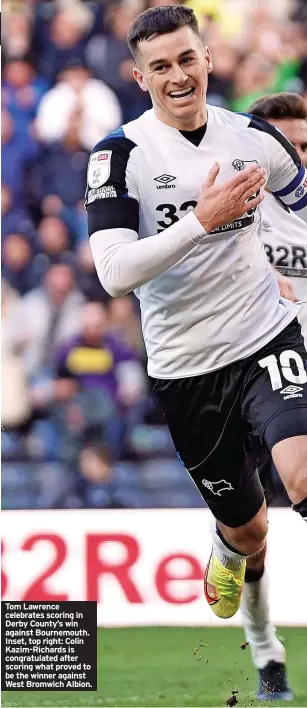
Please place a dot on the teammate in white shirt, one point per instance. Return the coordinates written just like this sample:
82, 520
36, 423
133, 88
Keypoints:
285, 238
222, 344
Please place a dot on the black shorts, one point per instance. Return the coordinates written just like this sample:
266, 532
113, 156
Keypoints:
225, 423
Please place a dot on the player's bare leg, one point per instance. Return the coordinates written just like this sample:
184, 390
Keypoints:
268, 653
225, 572
290, 459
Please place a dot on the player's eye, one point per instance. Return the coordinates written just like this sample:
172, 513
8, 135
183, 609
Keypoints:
161, 67
186, 60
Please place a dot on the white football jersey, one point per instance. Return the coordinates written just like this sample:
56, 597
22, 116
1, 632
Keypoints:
219, 303
284, 235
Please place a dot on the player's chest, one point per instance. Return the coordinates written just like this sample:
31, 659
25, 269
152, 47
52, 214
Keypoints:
170, 177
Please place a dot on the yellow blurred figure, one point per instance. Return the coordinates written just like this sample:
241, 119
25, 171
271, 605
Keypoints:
228, 19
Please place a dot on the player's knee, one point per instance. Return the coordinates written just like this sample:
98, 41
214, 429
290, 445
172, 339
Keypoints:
297, 483
290, 458
254, 540
250, 538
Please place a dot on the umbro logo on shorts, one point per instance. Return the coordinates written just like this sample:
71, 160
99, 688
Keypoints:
217, 487
291, 392
165, 181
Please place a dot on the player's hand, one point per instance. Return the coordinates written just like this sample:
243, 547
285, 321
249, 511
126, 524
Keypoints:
286, 288
221, 204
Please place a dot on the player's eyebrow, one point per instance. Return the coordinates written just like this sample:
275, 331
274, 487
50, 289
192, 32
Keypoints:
155, 62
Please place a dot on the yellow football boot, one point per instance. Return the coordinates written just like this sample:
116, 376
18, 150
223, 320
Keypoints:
224, 586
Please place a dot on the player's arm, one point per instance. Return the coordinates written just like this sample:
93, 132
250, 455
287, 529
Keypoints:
286, 288
123, 262
287, 178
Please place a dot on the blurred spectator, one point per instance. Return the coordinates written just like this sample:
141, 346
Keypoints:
61, 38
46, 317
221, 79
17, 262
15, 395
99, 108
254, 76
56, 183
54, 245
95, 359
16, 32
17, 148
22, 90
87, 278
13, 219
95, 476
110, 60
64, 165
124, 322
98, 482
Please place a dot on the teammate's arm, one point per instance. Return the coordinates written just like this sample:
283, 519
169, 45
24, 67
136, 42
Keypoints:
287, 178
286, 288
123, 262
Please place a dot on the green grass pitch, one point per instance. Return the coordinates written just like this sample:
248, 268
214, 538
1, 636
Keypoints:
161, 666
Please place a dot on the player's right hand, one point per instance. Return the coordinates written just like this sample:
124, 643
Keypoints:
221, 204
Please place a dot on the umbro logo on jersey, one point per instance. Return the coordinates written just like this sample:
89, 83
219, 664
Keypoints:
291, 392
165, 181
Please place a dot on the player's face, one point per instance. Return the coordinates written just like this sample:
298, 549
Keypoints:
174, 69
295, 129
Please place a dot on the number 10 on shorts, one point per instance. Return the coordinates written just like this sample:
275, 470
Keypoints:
286, 360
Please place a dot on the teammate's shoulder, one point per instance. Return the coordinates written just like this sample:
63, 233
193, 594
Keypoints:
126, 137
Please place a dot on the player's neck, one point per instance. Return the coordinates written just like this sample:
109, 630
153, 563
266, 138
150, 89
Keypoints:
196, 121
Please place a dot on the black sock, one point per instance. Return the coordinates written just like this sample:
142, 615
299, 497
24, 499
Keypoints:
253, 576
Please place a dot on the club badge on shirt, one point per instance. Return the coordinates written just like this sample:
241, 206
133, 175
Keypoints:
99, 168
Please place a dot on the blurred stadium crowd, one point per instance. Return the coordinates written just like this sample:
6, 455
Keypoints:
79, 426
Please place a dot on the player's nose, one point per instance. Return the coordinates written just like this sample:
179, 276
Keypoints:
178, 76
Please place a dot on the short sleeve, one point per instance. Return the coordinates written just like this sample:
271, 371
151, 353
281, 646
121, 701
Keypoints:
111, 198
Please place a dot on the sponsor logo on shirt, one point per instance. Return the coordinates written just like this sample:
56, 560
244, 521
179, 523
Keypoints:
234, 225
165, 181
101, 193
99, 167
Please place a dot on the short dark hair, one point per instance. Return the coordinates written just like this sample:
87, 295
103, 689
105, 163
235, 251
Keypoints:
279, 106
160, 20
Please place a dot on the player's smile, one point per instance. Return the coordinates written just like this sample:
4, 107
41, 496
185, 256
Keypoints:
182, 95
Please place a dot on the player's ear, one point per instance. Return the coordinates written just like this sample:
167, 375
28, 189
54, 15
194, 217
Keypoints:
140, 78
208, 59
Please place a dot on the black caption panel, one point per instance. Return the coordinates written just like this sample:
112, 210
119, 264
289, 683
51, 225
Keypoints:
49, 646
